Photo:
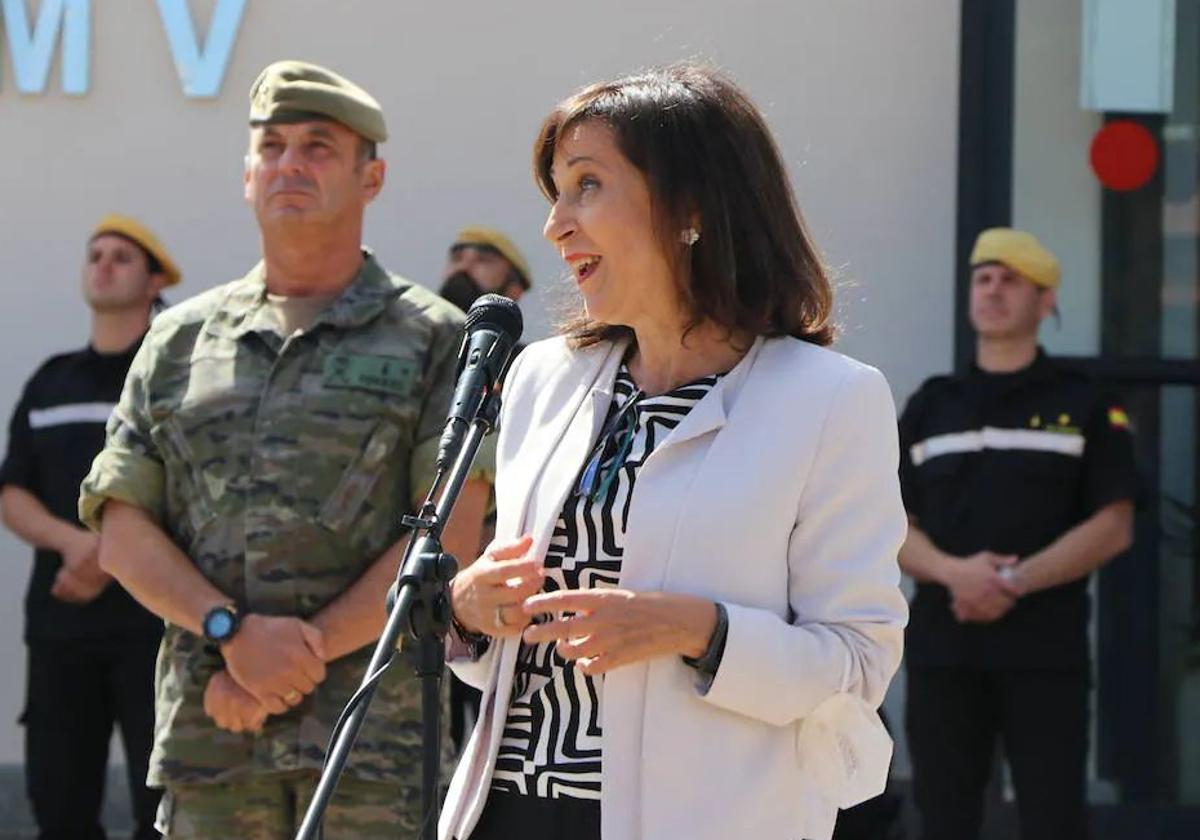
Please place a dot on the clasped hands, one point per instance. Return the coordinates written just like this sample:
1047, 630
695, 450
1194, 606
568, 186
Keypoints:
983, 587
600, 629
270, 665
80, 580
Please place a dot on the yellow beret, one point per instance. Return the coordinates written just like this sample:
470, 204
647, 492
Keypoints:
137, 232
296, 91
481, 235
1020, 251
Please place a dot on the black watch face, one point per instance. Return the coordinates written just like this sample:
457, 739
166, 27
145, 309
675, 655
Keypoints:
218, 624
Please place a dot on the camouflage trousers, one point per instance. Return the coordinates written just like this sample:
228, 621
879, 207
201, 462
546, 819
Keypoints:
272, 806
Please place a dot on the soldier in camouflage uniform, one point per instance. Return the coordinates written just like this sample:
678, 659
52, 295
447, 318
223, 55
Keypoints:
270, 435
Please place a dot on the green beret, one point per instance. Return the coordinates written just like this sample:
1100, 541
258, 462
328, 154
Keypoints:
296, 91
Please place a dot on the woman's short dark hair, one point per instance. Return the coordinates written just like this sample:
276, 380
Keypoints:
706, 152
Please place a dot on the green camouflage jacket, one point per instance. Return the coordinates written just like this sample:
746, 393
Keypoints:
281, 467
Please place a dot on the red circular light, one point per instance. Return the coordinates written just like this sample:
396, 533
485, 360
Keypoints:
1124, 155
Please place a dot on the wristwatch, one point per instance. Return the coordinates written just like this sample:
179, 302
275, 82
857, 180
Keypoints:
221, 623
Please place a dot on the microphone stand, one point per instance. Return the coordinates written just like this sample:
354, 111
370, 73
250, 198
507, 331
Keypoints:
418, 601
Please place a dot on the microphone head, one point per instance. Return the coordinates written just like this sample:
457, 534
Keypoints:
498, 313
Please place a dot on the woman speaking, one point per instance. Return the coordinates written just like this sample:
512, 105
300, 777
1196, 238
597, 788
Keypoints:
691, 610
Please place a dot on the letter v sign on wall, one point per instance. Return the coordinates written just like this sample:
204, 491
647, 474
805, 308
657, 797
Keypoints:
201, 68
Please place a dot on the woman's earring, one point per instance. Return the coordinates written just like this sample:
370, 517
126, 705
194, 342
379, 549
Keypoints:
689, 236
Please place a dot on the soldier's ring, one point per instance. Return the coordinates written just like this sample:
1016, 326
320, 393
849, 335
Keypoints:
292, 696
500, 622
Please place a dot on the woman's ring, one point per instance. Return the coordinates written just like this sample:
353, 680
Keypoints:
292, 696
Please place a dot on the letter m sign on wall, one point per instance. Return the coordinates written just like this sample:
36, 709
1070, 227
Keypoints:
31, 41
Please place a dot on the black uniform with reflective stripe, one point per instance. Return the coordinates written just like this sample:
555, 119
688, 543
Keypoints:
1008, 463
54, 434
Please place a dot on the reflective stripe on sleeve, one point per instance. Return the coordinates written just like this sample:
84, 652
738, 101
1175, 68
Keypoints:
60, 415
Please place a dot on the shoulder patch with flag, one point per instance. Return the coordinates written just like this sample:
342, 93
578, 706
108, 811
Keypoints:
1117, 418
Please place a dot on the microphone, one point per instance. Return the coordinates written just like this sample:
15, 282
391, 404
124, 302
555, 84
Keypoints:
494, 325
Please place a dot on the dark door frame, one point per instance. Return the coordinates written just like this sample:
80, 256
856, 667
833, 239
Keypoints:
985, 142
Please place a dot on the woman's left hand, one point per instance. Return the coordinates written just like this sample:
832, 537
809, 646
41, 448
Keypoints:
614, 627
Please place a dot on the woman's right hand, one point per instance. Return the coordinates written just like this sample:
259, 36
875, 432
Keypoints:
486, 596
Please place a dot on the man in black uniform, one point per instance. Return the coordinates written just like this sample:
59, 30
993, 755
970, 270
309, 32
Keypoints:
1018, 478
91, 646
482, 261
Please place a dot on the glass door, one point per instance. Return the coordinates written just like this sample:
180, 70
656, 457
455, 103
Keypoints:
1148, 604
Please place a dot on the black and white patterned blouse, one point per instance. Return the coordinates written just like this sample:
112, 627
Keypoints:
551, 741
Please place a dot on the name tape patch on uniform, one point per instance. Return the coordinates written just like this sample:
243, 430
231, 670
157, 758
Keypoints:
372, 373
1033, 440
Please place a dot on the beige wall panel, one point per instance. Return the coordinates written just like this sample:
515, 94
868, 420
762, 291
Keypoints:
862, 96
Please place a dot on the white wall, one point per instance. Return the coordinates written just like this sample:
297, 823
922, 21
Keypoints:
862, 96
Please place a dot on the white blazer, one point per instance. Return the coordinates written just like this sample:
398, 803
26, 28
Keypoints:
778, 496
